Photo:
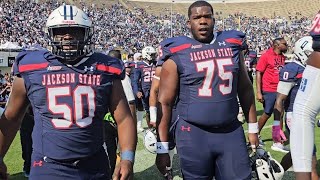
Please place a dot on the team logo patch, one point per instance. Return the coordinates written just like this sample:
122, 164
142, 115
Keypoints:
303, 84
54, 68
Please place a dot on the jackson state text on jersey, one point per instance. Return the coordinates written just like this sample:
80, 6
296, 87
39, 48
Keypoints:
291, 72
143, 73
68, 102
208, 76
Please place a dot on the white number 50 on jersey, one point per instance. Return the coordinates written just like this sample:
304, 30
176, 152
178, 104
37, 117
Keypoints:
71, 114
209, 68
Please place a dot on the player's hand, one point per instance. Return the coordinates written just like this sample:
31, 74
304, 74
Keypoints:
278, 135
254, 140
3, 171
123, 171
139, 95
260, 97
153, 124
163, 162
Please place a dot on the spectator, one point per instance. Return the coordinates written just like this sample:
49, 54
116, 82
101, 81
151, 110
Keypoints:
268, 67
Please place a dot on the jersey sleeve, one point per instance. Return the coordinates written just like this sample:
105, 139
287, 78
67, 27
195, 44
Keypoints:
30, 60
15, 67
288, 73
169, 47
113, 66
236, 39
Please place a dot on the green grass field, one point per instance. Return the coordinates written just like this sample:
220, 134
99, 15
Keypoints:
144, 165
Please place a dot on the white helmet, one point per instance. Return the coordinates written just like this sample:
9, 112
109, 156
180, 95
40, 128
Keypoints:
149, 53
264, 167
68, 18
303, 49
150, 140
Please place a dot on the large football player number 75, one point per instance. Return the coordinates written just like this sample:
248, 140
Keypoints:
71, 114
209, 67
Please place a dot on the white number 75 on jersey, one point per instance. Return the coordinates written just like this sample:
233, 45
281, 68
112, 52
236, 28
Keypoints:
209, 68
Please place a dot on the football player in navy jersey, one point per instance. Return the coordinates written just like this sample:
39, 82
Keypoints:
305, 109
206, 72
250, 60
142, 78
70, 90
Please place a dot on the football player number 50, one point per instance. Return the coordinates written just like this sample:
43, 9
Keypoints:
71, 114
209, 68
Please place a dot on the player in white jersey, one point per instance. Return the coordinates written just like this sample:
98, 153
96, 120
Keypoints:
305, 109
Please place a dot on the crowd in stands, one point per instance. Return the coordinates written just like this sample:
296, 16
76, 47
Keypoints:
131, 30
5, 87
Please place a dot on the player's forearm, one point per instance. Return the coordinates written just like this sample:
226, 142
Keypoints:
127, 133
153, 97
8, 131
246, 98
163, 125
278, 110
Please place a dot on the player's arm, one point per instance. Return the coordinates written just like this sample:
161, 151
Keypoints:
15, 109
127, 131
283, 90
246, 98
153, 99
167, 93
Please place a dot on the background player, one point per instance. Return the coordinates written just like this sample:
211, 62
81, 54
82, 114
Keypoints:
207, 108
69, 90
250, 60
142, 78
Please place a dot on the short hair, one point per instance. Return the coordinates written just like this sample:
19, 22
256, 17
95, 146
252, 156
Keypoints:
199, 4
115, 54
277, 40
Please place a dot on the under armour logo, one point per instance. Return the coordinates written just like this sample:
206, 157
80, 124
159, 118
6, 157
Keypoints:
222, 43
35, 163
158, 147
186, 128
88, 69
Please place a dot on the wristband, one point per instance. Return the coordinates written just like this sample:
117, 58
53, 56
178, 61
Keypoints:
153, 114
156, 77
276, 123
162, 147
253, 128
127, 155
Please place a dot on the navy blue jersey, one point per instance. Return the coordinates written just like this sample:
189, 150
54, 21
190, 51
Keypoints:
291, 72
142, 77
250, 59
68, 102
208, 75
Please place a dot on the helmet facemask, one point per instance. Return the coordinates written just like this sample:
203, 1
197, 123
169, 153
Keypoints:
70, 43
